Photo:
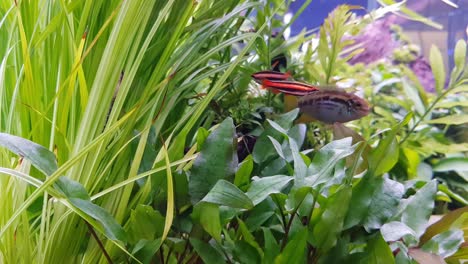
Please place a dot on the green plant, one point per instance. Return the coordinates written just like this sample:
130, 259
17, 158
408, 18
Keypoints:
133, 101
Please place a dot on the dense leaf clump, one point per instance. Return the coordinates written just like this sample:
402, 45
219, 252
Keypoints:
132, 132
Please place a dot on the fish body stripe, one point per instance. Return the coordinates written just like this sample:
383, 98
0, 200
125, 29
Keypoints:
289, 87
270, 75
330, 106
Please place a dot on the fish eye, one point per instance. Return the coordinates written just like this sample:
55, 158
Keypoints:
358, 104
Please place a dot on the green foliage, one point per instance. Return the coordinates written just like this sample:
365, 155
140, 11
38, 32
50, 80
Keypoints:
161, 150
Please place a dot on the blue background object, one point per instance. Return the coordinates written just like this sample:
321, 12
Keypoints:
453, 20
314, 15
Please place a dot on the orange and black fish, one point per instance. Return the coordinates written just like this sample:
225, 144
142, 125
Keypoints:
289, 87
332, 105
270, 75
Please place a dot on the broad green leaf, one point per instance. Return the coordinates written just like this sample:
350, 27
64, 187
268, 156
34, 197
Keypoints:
261, 188
277, 127
217, 160
413, 94
385, 155
207, 215
271, 247
40, 157
206, 252
463, 88
437, 66
457, 119
45, 161
245, 253
71, 188
263, 149
278, 147
378, 251
326, 159
202, 134
248, 237
78, 197
445, 223
450, 104
341, 131
415, 210
226, 193
373, 202
450, 164
298, 133
460, 55
300, 169
294, 252
444, 189
259, 214
144, 223
286, 120
257, 219
330, 223
112, 229
444, 244
243, 172
394, 231
144, 250
410, 160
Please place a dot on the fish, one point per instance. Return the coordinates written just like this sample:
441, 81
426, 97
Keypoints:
289, 87
333, 105
270, 75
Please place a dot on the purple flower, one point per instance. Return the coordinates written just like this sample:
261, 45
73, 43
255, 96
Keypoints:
376, 40
422, 69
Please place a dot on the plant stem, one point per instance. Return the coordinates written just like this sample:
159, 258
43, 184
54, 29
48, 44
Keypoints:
101, 246
182, 256
281, 212
428, 110
288, 227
